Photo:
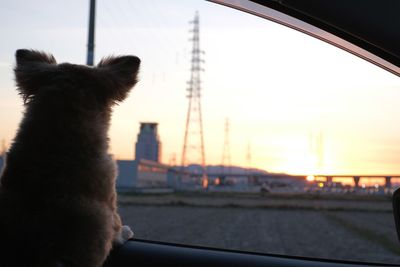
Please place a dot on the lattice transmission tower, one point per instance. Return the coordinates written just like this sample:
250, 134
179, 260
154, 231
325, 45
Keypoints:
317, 149
226, 151
248, 157
193, 144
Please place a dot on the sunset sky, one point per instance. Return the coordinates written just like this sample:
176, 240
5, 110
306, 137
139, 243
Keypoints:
281, 90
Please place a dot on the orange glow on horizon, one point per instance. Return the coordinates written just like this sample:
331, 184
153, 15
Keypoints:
310, 178
204, 182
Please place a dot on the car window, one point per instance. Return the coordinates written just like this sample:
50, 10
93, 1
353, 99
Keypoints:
241, 134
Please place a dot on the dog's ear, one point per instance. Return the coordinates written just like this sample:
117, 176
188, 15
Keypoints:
119, 74
32, 71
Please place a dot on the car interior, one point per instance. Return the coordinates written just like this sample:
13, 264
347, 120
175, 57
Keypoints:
366, 30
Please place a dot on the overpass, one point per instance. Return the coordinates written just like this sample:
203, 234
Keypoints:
356, 178
256, 177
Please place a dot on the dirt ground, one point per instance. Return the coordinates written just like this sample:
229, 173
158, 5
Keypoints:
362, 230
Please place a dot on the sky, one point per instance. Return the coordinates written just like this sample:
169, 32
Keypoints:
294, 103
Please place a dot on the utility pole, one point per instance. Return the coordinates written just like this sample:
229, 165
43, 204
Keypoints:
90, 46
193, 138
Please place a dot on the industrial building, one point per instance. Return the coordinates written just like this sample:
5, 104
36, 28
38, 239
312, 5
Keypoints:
146, 171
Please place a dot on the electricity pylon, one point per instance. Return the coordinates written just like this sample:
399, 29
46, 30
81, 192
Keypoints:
193, 144
226, 151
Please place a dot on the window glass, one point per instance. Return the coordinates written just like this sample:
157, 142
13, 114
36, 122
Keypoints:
292, 145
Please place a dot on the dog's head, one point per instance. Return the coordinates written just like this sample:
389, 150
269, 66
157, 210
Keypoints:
38, 75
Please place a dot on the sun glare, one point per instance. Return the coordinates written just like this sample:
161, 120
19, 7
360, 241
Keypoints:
310, 178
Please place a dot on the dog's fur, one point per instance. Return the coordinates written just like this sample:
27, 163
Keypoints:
57, 190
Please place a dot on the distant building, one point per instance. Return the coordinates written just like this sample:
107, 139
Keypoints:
137, 174
151, 174
146, 171
127, 175
148, 145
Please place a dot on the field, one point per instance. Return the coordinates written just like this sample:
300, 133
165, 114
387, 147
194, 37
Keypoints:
352, 228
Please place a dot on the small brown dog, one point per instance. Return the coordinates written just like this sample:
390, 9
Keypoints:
57, 190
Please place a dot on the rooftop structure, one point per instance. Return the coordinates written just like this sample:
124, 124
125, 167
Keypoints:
148, 145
